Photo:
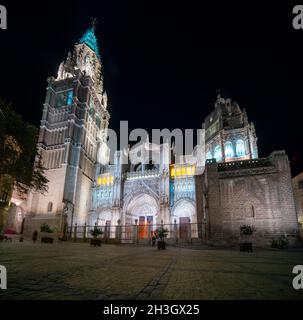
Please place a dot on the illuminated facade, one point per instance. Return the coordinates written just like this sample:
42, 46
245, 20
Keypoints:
228, 134
208, 200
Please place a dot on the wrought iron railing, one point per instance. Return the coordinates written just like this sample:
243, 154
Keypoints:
136, 233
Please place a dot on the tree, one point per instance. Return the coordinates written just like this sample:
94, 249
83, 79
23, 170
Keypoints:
20, 162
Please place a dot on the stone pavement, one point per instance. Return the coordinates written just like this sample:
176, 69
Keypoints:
78, 271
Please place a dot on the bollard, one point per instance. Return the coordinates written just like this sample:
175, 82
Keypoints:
75, 233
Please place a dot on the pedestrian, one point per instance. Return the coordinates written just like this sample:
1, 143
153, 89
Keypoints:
153, 240
35, 236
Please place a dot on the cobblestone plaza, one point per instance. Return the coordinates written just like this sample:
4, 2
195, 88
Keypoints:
78, 271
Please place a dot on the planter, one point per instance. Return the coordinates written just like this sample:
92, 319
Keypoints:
95, 242
246, 247
47, 237
161, 245
47, 240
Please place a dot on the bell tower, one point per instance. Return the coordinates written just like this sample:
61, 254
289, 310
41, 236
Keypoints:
73, 127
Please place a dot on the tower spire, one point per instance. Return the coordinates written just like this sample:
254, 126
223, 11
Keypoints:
90, 39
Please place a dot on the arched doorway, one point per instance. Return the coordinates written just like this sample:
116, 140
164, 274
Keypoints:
142, 210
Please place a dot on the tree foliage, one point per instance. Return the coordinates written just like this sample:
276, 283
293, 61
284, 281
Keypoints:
20, 162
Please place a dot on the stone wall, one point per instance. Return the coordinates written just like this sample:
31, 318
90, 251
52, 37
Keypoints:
255, 192
298, 193
38, 203
33, 223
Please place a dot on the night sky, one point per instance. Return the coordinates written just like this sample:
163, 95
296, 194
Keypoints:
163, 64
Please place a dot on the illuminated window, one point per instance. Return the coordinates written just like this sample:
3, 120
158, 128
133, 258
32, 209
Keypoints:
99, 181
69, 97
111, 179
193, 169
183, 171
209, 155
218, 153
189, 170
229, 151
178, 171
240, 148
173, 172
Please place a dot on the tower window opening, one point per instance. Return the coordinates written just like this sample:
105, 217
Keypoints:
98, 122
209, 155
50, 207
240, 148
69, 97
218, 153
229, 151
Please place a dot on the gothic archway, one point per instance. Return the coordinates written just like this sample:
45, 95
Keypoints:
142, 210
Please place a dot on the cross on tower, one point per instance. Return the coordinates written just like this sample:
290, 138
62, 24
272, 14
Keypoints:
94, 23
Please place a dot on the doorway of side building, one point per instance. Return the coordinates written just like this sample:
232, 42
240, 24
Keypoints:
184, 214
184, 223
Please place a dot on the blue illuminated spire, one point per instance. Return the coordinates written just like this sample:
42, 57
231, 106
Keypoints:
89, 38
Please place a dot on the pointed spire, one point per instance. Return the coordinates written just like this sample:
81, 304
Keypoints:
90, 39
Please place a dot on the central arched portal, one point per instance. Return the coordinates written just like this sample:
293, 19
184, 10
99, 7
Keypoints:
142, 210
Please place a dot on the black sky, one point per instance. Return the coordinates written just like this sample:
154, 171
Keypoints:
162, 64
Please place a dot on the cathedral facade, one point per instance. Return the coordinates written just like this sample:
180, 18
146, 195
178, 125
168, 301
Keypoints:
208, 200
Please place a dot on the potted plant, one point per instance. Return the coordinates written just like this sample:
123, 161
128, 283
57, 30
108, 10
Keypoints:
246, 231
161, 234
95, 233
280, 243
46, 233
